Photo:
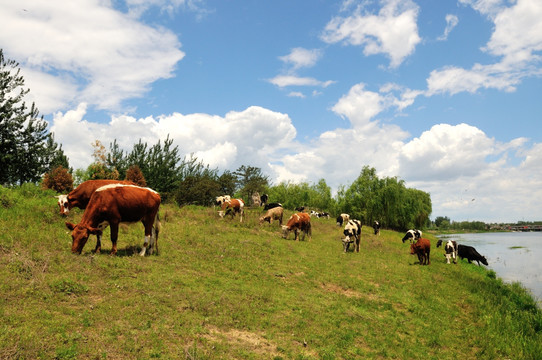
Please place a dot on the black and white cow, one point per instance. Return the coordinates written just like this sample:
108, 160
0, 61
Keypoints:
470, 253
341, 219
263, 200
412, 235
272, 205
352, 234
376, 227
450, 250
319, 214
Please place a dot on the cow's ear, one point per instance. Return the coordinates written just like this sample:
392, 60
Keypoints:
95, 231
70, 226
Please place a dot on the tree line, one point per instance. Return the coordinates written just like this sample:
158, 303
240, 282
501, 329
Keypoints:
29, 154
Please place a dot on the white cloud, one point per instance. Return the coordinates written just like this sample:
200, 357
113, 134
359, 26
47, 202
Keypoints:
516, 40
296, 94
300, 57
393, 31
292, 80
103, 54
451, 23
253, 136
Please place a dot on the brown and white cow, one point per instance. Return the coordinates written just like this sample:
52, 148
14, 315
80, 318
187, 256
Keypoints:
80, 196
113, 204
232, 207
299, 222
275, 213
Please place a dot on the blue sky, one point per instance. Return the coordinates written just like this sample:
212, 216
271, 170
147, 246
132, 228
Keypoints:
446, 95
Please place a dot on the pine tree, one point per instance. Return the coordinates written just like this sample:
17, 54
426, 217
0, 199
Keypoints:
24, 152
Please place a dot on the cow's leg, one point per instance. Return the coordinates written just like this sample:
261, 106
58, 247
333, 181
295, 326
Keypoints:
114, 236
241, 216
447, 258
98, 244
149, 241
454, 255
358, 240
428, 258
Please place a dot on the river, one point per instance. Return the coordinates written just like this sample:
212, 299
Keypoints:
514, 256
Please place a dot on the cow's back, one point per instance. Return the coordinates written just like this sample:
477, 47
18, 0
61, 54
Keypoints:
128, 203
81, 195
298, 220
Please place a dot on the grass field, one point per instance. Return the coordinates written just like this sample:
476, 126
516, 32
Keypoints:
223, 290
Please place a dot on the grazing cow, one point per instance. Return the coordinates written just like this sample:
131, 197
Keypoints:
80, 196
272, 205
422, 248
470, 253
232, 207
352, 234
342, 219
412, 235
300, 208
451, 250
299, 222
263, 200
115, 203
376, 227
275, 213
222, 199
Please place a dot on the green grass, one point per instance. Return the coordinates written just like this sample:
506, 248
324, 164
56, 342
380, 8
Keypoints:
223, 290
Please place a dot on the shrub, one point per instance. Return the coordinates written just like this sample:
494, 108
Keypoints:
58, 179
135, 175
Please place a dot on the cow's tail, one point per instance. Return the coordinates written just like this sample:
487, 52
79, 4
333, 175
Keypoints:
156, 227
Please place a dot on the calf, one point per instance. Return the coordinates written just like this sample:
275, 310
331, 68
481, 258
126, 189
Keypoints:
422, 248
470, 253
342, 219
80, 196
412, 235
376, 227
112, 204
450, 250
275, 213
352, 234
299, 222
232, 207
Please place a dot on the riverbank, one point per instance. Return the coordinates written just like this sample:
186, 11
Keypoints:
224, 289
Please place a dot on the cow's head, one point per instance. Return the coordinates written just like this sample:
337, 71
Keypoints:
483, 260
285, 231
413, 248
63, 204
80, 236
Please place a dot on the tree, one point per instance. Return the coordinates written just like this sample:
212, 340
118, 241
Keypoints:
250, 179
24, 155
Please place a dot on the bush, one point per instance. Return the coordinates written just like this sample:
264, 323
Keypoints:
58, 179
135, 175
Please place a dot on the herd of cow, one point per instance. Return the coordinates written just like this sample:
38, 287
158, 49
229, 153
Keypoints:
111, 202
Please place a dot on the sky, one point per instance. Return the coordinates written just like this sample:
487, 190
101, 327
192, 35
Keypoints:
446, 95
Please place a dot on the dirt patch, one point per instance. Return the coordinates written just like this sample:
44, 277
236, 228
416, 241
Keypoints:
244, 339
339, 290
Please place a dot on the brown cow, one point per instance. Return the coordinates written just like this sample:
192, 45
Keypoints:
80, 196
422, 248
232, 207
273, 214
113, 204
300, 222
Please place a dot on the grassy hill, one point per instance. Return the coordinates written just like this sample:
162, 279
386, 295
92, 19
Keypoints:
223, 290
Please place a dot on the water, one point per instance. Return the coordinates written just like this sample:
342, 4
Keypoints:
514, 256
